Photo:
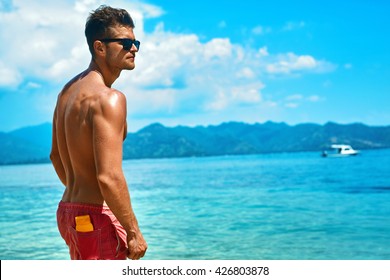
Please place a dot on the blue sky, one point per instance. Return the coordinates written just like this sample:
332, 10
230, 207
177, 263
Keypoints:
208, 62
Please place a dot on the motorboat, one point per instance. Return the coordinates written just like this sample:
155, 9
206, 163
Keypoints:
340, 150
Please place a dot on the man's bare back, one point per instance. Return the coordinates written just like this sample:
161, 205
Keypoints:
78, 106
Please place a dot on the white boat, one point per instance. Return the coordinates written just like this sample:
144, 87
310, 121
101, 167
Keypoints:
340, 150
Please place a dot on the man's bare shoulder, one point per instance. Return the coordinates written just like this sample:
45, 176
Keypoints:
109, 102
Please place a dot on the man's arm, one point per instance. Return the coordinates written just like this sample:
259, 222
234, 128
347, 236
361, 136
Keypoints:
109, 119
54, 154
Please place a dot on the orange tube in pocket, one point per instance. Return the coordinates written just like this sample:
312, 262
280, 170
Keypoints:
83, 223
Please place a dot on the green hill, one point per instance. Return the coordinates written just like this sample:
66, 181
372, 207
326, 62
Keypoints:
32, 144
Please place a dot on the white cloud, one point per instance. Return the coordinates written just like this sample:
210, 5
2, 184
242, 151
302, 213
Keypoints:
236, 96
294, 97
290, 62
8, 76
46, 38
292, 25
217, 48
33, 85
247, 94
314, 98
263, 51
245, 72
261, 30
76, 60
295, 100
38, 37
84, 6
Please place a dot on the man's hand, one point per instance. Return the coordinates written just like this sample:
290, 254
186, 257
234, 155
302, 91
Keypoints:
137, 246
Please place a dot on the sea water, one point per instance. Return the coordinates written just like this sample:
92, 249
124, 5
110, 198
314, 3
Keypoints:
288, 206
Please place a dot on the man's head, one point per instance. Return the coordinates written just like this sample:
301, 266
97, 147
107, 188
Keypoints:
101, 21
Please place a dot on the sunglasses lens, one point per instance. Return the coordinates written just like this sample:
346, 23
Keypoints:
129, 43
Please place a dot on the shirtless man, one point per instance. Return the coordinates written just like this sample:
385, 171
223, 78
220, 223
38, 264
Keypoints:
89, 126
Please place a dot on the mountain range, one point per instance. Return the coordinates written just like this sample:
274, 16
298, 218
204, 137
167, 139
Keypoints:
33, 144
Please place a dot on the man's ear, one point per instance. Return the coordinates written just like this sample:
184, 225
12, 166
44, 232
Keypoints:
99, 48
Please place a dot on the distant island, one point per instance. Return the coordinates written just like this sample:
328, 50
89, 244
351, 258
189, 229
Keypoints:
33, 144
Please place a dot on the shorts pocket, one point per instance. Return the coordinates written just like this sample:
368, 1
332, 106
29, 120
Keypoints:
86, 245
112, 247
121, 248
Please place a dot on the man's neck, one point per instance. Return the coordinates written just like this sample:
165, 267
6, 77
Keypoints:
108, 76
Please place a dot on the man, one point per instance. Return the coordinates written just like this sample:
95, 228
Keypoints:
95, 216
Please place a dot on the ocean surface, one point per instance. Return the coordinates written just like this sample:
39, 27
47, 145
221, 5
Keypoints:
288, 206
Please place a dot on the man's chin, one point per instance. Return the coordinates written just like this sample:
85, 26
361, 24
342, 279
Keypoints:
129, 67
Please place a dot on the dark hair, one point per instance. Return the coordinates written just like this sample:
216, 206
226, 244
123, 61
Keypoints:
100, 20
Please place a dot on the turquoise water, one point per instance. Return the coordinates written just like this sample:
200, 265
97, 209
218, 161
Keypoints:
293, 206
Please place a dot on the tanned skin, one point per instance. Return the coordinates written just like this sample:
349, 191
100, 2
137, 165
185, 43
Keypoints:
89, 127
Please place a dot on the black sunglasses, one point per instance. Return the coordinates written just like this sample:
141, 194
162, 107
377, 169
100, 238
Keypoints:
126, 43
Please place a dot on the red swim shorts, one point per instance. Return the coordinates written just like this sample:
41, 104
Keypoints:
106, 242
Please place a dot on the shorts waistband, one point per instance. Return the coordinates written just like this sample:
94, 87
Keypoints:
94, 208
